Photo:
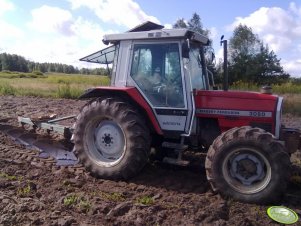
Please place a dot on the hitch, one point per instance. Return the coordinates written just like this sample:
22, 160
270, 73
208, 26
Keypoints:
49, 125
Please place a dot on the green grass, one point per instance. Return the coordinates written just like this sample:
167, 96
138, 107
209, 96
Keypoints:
114, 196
70, 200
239, 85
24, 191
7, 89
145, 200
48, 85
7, 176
15, 74
73, 200
292, 104
286, 88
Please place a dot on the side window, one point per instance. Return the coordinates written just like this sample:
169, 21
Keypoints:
156, 69
142, 62
196, 70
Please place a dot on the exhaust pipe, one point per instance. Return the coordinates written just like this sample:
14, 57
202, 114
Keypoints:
224, 43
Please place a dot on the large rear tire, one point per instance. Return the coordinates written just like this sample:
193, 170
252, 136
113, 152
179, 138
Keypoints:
249, 165
111, 139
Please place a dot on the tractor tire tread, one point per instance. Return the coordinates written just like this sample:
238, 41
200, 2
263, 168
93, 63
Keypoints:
136, 133
272, 148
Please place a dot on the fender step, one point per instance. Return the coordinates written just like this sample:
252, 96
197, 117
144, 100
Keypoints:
176, 146
177, 162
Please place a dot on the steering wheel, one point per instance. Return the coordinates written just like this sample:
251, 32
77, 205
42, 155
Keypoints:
159, 88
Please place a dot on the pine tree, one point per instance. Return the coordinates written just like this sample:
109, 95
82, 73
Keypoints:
251, 61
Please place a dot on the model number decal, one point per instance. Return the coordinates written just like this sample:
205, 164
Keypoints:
171, 123
260, 114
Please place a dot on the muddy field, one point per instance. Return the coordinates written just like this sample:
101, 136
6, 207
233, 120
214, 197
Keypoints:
34, 192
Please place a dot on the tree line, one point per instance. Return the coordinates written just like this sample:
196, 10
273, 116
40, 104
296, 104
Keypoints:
13, 62
249, 59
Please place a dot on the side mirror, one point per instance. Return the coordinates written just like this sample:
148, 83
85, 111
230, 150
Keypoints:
209, 56
185, 49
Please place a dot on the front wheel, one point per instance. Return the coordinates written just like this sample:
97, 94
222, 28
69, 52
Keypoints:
249, 165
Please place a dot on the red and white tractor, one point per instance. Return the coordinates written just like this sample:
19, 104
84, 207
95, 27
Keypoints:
162, 97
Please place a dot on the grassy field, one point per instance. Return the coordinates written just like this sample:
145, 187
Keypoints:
48, 85
72, 86
292, 104
286, 88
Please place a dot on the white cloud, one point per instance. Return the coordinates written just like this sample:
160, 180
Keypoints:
219, 55
126, 12
65, 50
55, 34
88, 30
9, 31
275, 25
60, 37
292, 66
280, 29
168, 26
213, 32
5, 6
47, 19
10, 35
51, 19
294, 8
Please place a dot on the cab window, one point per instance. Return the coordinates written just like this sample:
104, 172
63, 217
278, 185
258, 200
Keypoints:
156, 70
196, 69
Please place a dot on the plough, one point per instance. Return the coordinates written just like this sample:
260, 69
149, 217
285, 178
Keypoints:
48, 125
48, 148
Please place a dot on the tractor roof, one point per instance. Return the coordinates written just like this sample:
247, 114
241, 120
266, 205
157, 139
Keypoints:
145, 31
150, 30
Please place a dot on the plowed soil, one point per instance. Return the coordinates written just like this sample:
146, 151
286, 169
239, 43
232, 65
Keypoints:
43, 194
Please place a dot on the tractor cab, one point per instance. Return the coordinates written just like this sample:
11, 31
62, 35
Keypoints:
165, 65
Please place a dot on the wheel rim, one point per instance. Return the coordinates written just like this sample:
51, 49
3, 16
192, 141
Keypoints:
246, 170
106, 142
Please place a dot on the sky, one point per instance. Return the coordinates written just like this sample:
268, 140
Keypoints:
64, 31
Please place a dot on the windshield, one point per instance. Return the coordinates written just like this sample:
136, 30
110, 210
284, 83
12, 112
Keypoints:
196, 68
105, 56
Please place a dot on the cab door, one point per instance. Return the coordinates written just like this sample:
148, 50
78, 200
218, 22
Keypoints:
157, 72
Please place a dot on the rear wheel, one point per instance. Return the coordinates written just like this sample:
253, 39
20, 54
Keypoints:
249, 165
110, 139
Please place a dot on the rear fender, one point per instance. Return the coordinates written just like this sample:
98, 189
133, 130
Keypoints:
130, 94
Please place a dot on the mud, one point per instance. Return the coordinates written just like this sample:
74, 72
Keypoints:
36, 192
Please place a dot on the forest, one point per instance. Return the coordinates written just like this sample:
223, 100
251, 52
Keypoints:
13, 62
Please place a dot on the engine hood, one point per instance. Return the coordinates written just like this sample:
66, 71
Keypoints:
238, 100
237, 108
